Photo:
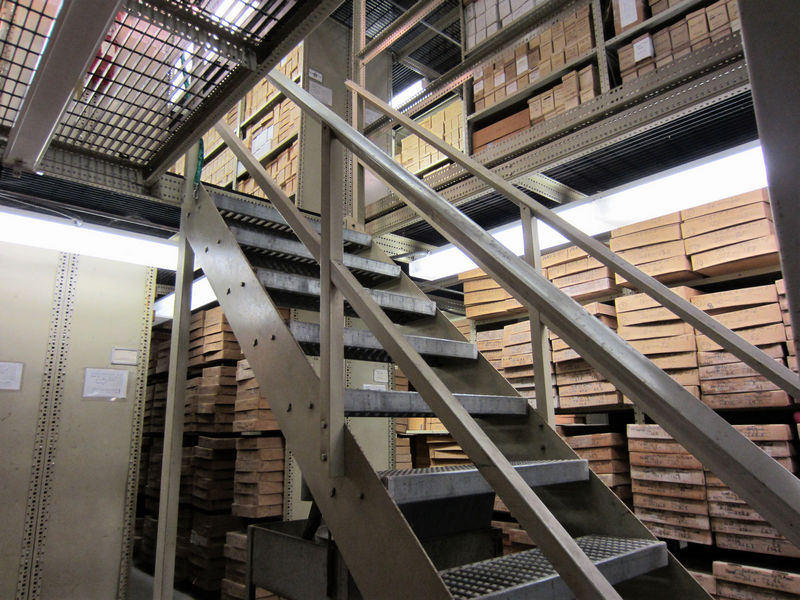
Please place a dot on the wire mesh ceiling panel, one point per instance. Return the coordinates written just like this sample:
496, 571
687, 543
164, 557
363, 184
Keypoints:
24, 29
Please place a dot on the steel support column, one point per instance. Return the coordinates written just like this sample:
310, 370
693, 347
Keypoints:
771, 47
540, 346
79, 29
331, 318
176, 392
359, 70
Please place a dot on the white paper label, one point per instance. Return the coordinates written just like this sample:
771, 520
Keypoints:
124, 356
105, 383
522, 64
511, 88
380, 376
627, 12
375, 387
321, 93
262, 142
499, 79
315, 75
643, 49
478, 87
10, 376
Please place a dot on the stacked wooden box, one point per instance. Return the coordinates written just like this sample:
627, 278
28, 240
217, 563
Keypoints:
446, 123
401, 424
517, 68
437, 450
791, 350
153, 475
517, 359
403, 453
484, 298
490, 344
579, 385
220, 170
207, 551
515, 539
258, 480
698, 29
211, 339
283, 169
577, 274
755, 315
210, 400
607, 454
661, 336
655, 246
669, 486
731, 235
212, 487
744, 582
234, 586
737, 526
262, 93
574, 88
251, 409
212, 139
155, 407
707, 581
465, 326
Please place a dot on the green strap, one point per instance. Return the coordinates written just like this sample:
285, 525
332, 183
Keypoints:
200, 157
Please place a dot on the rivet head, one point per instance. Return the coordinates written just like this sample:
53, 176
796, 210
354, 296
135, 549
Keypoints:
324, 425
255, 342
272, 337
323, 457
333, 492
289, 407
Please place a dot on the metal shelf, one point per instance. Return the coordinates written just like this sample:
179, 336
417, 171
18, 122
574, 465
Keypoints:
531, 90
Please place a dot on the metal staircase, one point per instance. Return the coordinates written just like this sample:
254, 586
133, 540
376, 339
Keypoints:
425, 533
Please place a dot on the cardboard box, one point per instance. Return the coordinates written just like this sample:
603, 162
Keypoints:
679, 36
697, 25
717, 15
643, 48
628, 13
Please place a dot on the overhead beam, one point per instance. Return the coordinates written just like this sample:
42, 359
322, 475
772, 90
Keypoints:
416, 66
194, 27
292, 28
77, 34
398, 28
425, 37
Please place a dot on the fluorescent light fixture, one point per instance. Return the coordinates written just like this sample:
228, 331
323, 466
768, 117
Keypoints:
406, 95
202, 295
41, 231
722, 175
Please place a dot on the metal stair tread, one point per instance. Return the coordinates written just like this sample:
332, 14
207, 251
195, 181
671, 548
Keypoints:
410, 404
529, 574
309, 333
435, 483
266, 215
276, 245
310, 286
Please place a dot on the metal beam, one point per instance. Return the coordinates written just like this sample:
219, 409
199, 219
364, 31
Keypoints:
300, 21
176, 391
424, 70
78, 32
425, 37
194, 27
769, 488
770, 39
399, 27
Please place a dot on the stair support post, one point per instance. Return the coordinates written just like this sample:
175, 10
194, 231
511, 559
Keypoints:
331, 415
540, 346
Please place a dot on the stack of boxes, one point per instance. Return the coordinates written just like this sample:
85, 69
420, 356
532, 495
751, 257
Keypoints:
743, 581
212, 486
437, 450
576, 87
654, 50
484, 298
577, 274
629, 13
578, 384
464, 326
403, 453
211, 339
209, 400
251, 409
291, 65
207, 551
258, 479
220, 170
661, 336
754, 314
447, 123
669, 486
607, 454
737, 526
656, 246
731, 234
490, 344
482, 20
283, 170
791, 358
274, 128
517, 359
549, 52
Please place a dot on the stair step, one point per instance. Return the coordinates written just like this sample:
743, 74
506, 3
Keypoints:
375, 403
283, 247
302, 285
266, 215
529, 574
435, 483
363, 345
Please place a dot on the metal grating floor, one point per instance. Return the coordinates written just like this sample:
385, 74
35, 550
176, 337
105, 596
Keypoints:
519, 575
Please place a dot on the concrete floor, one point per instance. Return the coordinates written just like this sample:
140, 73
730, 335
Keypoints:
141, 587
